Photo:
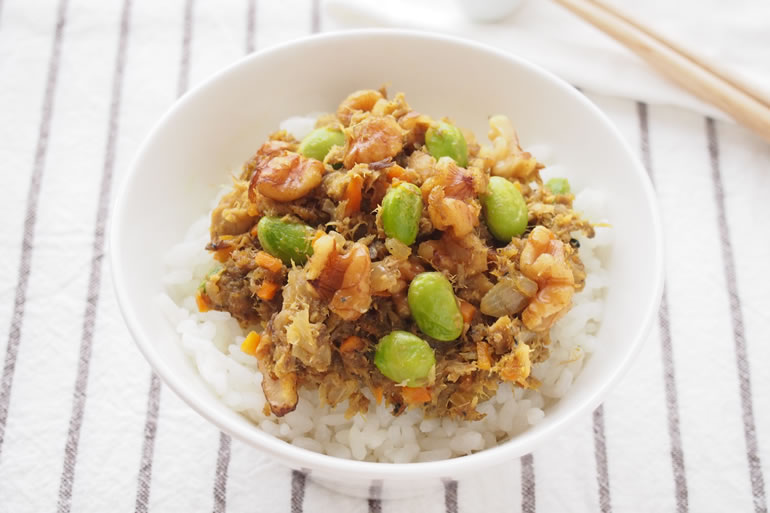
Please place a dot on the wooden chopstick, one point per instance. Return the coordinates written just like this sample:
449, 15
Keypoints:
760, 96
744, 103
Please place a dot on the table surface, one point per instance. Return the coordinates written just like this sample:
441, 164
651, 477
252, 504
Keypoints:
85, 426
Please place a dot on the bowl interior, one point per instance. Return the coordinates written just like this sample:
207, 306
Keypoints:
213, 129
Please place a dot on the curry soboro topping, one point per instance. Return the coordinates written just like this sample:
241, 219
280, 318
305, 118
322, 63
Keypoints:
390, 267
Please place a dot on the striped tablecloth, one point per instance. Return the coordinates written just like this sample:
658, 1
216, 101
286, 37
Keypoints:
86, 426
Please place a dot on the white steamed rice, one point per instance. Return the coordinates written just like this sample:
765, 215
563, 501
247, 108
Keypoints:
212, 342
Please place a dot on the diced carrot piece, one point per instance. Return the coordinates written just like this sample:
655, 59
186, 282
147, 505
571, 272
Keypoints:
249, 346
268, 261
483, 356
353, 195
350, 344
395, 171
221, 255
398, 174
202, 301
415, 395
266, 291
467, 310
377, 391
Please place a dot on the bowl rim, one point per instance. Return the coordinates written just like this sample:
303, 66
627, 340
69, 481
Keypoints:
298, 457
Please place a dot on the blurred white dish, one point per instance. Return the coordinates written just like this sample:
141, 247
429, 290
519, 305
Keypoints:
488, 11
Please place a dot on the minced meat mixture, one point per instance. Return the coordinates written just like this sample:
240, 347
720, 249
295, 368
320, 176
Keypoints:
317, 259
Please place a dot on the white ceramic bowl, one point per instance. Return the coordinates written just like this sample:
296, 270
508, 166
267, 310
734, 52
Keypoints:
217, 126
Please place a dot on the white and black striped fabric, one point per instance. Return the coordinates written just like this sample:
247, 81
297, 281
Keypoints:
85, 426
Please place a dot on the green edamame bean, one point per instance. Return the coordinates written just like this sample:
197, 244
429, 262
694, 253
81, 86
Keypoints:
401, 211
505, 210
318, 142
558, 185
434, 306
445, 140
286, 240
405, 358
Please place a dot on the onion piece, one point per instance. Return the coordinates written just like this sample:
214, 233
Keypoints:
383, 276
503, 299
526, 286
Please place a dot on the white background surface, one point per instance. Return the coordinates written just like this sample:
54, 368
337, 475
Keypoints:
58, 100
